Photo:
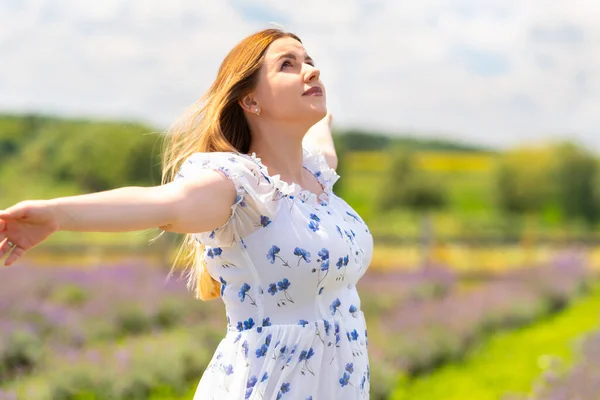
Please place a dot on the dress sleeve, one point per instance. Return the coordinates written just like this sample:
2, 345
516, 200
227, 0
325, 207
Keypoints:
315, 160
253, 206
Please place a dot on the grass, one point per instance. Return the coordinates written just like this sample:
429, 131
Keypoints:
509, 362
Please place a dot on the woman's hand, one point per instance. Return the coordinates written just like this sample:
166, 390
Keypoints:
319, 136
25, 225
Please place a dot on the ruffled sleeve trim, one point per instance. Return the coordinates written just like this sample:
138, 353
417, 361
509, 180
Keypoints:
315, 162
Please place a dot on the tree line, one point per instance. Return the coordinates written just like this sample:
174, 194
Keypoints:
99, 155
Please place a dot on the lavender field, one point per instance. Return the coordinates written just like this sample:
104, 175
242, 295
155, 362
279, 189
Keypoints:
99, 332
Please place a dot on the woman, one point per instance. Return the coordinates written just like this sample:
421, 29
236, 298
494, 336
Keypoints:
264, 230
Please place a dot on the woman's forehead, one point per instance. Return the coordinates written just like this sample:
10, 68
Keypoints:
284, 46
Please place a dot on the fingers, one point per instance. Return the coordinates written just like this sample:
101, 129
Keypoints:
15, 212
5, 248
14, 256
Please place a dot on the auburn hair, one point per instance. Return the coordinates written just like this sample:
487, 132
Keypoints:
216, 122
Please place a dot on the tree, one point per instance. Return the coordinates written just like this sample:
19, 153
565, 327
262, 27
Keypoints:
522, 180
408, 187
575, 175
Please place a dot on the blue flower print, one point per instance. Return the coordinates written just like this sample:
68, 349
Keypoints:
302, 322
350, 367
239, 199
339, 231
261, 351
302, 255
324, 260
248, 324
285, 388
282, 286
327, 326
244, 289
217, 251
321, 290
228, 369
337, 337
344, 380
250, 386
272, 289
305, 355
314, 223
245, 347
354, 335
214, 252
342, 263
353, 216
273, 253
353, 310
349, 236
266, 321
264, 221
264, 377
323, 255
282, 351
334, 306
243, 293
223, 285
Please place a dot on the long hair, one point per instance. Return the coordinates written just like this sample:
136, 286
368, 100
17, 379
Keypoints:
216, 122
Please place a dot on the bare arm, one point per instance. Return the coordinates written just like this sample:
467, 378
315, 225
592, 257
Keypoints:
319, 136
184, 206
197, 204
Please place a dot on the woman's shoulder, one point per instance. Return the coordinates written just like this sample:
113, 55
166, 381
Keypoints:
226, 161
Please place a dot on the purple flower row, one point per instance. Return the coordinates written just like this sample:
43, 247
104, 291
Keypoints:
416, 337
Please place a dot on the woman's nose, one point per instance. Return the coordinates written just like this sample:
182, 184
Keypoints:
312, 73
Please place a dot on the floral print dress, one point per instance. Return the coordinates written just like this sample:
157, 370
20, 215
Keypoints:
288, 261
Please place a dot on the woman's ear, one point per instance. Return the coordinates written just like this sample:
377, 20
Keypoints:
248, 104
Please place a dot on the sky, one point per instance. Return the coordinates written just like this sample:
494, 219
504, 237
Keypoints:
500, 73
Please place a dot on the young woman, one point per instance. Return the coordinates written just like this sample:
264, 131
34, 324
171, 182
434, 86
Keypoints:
248, 177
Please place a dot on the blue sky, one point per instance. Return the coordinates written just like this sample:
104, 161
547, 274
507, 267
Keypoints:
500, 73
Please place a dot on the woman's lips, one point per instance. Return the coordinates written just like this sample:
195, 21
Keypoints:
314, 91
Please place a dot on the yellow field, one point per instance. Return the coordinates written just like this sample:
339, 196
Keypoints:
470, 259
439, 161
459, 258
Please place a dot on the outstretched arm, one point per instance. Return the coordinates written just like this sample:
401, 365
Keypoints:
196, 204
319, 136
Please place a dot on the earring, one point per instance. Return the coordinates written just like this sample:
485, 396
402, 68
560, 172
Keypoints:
257, 111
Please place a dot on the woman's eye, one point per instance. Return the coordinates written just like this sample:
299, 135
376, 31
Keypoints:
284, 63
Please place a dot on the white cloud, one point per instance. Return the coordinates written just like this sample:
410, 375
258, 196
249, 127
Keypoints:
497, 72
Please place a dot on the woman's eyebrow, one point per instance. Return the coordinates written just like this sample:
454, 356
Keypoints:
292, 56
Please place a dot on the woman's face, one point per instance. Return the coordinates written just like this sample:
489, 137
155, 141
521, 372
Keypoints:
285, 76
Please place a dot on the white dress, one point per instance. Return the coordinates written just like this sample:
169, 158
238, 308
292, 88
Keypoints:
288, 261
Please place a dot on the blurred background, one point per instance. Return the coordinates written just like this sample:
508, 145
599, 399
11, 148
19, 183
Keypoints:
467, 134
